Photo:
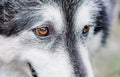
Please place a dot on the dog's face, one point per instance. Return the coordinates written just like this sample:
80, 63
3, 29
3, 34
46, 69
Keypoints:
52, 38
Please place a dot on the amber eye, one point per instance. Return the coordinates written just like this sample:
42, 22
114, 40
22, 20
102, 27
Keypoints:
86, 29
43, 31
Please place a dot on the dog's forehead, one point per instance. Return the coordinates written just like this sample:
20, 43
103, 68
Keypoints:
63, 13
50, 15
68, 7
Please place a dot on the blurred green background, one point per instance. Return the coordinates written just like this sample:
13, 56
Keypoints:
106, 62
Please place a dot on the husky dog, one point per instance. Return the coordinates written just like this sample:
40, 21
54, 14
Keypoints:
50, 38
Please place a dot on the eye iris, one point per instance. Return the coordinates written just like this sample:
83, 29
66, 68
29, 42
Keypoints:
44, 31
86, 29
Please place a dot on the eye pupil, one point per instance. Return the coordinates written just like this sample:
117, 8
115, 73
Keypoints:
43, 31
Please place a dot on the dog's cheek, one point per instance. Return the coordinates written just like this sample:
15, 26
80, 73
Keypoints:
9, 49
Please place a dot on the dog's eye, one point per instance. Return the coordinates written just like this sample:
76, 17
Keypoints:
43, 31
86, 29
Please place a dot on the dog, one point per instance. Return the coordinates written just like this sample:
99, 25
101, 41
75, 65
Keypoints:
51, 38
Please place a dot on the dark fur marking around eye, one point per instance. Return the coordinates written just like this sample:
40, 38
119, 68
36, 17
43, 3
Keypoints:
102, 22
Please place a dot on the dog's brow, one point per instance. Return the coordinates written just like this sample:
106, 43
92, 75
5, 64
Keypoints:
29, 17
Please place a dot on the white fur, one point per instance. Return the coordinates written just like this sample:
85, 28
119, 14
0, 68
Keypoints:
85, 14
86, 60
94, 43
53, 14
46, 63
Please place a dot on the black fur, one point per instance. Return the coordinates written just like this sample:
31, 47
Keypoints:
1, 12
75, 57
102, 23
